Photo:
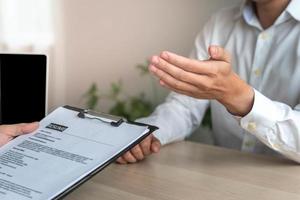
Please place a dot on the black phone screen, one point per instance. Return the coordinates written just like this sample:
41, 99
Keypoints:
23, 87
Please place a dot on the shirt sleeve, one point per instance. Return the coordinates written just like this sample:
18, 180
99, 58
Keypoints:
275, 124
179, 115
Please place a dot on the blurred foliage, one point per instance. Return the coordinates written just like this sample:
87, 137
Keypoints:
206, 122
92, 97
143, 68
130, 107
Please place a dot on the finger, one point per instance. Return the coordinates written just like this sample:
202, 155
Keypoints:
4, 139
187, 64
172, 89
179, 73
145, 145
218, 53
172, 82
18, 129
11, 130
136, 151
128, 157
120, 160
199, 94
28, 128
155, 146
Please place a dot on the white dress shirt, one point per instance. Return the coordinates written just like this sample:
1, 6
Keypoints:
269, 61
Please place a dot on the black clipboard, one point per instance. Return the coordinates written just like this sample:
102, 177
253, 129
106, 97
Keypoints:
117, 120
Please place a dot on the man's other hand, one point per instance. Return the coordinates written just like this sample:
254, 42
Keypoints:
148, 146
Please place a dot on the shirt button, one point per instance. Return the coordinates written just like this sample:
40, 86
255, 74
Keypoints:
277, 146
251, 126
257, 72
263, 36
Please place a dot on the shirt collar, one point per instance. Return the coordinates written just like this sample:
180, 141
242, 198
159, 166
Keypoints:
248, 14
241, 10
246, 10
293, 9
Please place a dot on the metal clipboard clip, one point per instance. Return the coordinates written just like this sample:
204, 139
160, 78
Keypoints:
103, 117
106, 118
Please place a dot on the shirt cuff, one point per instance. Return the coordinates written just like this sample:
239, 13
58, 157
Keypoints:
263, 115
158, 134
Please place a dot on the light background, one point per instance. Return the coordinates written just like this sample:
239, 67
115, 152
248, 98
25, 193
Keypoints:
103, 40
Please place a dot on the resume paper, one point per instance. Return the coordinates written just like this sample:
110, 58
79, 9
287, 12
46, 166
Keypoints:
64, 150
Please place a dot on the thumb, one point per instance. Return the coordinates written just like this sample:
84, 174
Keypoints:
155, 145
218, 53
18, 129
28, 127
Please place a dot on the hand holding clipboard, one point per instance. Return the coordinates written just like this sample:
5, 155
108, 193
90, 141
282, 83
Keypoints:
70, 147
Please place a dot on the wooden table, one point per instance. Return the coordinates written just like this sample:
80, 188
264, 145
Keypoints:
188, 170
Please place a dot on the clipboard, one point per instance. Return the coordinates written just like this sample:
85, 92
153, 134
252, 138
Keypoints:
68, 134
115, 121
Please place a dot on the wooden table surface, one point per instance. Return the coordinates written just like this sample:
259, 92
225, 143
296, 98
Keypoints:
188, 170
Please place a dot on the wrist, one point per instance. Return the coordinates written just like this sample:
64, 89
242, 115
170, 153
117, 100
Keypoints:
239, 100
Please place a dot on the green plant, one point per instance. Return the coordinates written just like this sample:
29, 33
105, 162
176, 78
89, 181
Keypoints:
206, 122
92, 97
130, 107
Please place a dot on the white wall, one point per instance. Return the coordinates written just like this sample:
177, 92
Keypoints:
103, 40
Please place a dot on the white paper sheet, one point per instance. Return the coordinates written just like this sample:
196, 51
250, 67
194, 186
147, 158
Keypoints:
45, 163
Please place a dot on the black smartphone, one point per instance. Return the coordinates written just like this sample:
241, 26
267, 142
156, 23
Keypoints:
23, 88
